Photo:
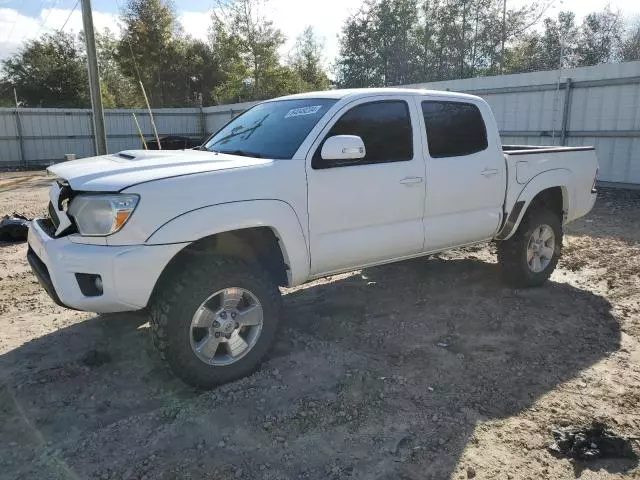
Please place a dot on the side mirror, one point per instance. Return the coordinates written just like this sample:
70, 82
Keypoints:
343, 147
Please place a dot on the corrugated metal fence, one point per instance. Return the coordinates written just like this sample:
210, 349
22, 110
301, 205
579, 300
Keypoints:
597, 106
32, 137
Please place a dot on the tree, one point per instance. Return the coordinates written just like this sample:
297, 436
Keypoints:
234, 85
306, 61
600, 34
630, 44
202, 69
147, 48
355, 66
555, 48
393, 42
527, 55
118, 89
48, 72
377, 47
242, 34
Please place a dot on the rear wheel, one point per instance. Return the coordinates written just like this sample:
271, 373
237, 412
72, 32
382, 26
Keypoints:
214, 320
529, 257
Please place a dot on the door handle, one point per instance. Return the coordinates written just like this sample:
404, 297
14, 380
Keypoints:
411, 180
488, 172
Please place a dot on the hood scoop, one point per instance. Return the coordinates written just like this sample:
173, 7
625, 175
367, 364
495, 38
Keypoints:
128, 156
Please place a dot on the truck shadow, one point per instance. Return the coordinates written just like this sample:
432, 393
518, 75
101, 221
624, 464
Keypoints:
456, 348
381, 374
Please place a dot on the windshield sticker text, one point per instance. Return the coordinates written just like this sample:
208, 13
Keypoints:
297, 112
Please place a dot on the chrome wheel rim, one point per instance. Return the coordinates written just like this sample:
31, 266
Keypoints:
541, 248
226, 326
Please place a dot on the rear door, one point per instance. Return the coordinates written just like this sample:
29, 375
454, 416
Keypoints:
368, 210
465, 173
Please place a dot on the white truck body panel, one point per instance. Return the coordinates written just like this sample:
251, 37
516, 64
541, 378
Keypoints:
325, 220
367, 214
465, 195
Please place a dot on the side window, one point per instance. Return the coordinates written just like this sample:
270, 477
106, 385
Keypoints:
385, 129
454, 129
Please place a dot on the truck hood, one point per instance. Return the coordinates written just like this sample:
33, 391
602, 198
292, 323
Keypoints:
114, 172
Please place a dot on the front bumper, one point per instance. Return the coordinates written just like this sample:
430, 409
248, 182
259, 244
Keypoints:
129, 273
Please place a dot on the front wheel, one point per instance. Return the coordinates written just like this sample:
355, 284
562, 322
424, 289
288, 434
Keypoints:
529, 257
215, 320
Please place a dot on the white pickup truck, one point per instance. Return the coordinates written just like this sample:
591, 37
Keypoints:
297, 188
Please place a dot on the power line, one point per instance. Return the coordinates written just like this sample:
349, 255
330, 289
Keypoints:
44, 22
70, 13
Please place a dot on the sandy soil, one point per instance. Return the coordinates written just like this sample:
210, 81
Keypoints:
428, 369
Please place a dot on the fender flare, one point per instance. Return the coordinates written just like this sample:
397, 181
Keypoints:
225, 217
559, 177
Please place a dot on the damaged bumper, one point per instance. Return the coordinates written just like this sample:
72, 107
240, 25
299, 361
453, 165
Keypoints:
69, 271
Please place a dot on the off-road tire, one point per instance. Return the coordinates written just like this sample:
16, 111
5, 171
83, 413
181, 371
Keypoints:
177, 299
512, 253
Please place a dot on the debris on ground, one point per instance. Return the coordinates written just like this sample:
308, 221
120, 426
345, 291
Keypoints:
95, 358
14, 228
590, 442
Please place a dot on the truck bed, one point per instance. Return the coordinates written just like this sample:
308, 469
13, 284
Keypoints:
528, 149
574, 168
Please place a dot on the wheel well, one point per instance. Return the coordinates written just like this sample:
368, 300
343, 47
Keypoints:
552, 198
258, 244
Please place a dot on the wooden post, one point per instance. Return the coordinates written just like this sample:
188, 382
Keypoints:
23, 159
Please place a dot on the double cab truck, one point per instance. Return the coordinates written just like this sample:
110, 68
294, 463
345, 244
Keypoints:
297, 188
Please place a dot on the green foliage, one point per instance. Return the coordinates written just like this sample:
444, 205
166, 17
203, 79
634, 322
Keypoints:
306, 61
392, 42
395, 42
386, 42
599, 35
380, 45
630, 45
48, 72
118, 89
563, 44
247, 45
147, 48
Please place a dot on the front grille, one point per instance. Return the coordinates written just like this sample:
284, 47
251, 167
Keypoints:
53, 215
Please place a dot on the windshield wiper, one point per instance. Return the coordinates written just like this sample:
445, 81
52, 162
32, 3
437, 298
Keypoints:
242, 153
235, 132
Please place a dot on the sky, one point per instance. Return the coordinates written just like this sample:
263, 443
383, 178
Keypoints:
21, 20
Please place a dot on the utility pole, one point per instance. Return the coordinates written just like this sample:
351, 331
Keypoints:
94, 80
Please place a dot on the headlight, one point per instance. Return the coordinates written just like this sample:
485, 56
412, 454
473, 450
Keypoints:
100, 215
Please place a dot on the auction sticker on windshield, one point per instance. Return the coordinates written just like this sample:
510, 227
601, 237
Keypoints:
297, 112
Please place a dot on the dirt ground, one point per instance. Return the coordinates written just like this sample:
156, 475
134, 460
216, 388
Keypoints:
426, 369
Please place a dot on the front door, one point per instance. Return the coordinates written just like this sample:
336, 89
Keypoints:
368, 210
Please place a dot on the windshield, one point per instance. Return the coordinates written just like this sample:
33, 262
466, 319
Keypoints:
271, 129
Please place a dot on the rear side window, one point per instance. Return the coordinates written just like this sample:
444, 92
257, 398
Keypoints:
385, 129
454, 129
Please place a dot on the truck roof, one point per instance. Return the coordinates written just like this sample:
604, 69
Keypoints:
364, 92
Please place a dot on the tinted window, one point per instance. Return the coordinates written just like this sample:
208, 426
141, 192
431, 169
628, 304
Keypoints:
271, 129
454, 128
385, 129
